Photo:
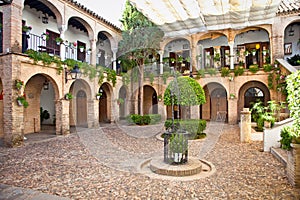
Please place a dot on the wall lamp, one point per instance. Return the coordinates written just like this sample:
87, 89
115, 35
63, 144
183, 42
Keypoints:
75, 73
45, 19
46, 85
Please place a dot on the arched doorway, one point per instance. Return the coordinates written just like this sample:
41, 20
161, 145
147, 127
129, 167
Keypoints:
216, 106
251, 92
47, 105
122, 106
150, 100
105, 103
81, 108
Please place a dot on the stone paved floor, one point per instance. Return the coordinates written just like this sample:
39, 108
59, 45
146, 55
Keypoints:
101, 164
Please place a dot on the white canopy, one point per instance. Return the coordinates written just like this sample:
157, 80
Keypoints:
183, 17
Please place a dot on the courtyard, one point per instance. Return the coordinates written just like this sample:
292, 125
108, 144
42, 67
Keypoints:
103, 164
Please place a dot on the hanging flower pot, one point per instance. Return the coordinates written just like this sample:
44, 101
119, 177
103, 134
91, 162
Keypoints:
19, 103
81, 49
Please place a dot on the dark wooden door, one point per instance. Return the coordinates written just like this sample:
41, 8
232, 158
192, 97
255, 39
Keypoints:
81, 108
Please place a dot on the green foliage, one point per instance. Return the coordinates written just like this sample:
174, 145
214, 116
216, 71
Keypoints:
151, 77
200, 73
261, 113
293, 98
187, 92
194, 126
165, 76
125, 78
238, 71
225, 71
253, 68
286, 138
155, 118
294, 60
178, 143
270, 81
145, 119
267, 67
211, 71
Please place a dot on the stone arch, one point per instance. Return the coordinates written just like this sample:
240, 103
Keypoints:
216, 106
104, 45
80, 106
105, 103
244, 90
250, 39
1, 110
291, 39
84, 25
150, 101
33, 90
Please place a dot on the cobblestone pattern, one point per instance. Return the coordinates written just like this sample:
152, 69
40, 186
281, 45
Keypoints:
64, 166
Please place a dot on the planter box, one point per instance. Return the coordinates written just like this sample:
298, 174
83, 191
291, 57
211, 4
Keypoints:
293, 165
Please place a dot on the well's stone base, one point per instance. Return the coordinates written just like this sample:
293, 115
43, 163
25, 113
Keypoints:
192, 167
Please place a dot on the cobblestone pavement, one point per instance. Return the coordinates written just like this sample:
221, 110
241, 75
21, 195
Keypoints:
101, 164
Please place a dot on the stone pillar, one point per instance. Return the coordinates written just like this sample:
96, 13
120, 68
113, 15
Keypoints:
96, 113
13, 117
161, 65
245, 129
12, 26
62, 117
293, 165
94, 52
193, 53
231, 43
115, 59
63, 46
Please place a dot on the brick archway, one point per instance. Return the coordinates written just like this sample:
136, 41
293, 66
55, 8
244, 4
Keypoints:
216, 102
243, 90
122, 107
105, 103
150, 100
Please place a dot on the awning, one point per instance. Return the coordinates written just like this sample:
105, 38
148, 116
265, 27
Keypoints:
184, 17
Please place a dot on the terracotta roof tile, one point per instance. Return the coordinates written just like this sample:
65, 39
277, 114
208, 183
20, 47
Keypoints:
288, 6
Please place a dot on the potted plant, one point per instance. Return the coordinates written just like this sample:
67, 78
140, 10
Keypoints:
59, 40
81, 48
159, 97
45, 36
98, 96
232, 96
172, 60
21, 100
26, 29
89, 51
68, 96
265, 51
19, 84
246, 53
178, 146
253, 51
269, 119
253, 68
120, 101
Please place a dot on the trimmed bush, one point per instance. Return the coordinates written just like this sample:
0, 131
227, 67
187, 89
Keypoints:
194, 126
144, 120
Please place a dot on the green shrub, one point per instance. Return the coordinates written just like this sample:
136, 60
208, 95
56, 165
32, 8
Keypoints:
155, 118
194, 126
267, 67
225, 71
238, 71
253, 68
286, 138
145, 120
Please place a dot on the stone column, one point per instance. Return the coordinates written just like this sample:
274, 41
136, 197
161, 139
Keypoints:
63, 46
193, 53
231, 43
62, 117
115, 59
161, 65
94, 52
12, 26
245, 129
293, 165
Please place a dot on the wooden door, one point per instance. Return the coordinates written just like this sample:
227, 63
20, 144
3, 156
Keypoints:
81, 108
